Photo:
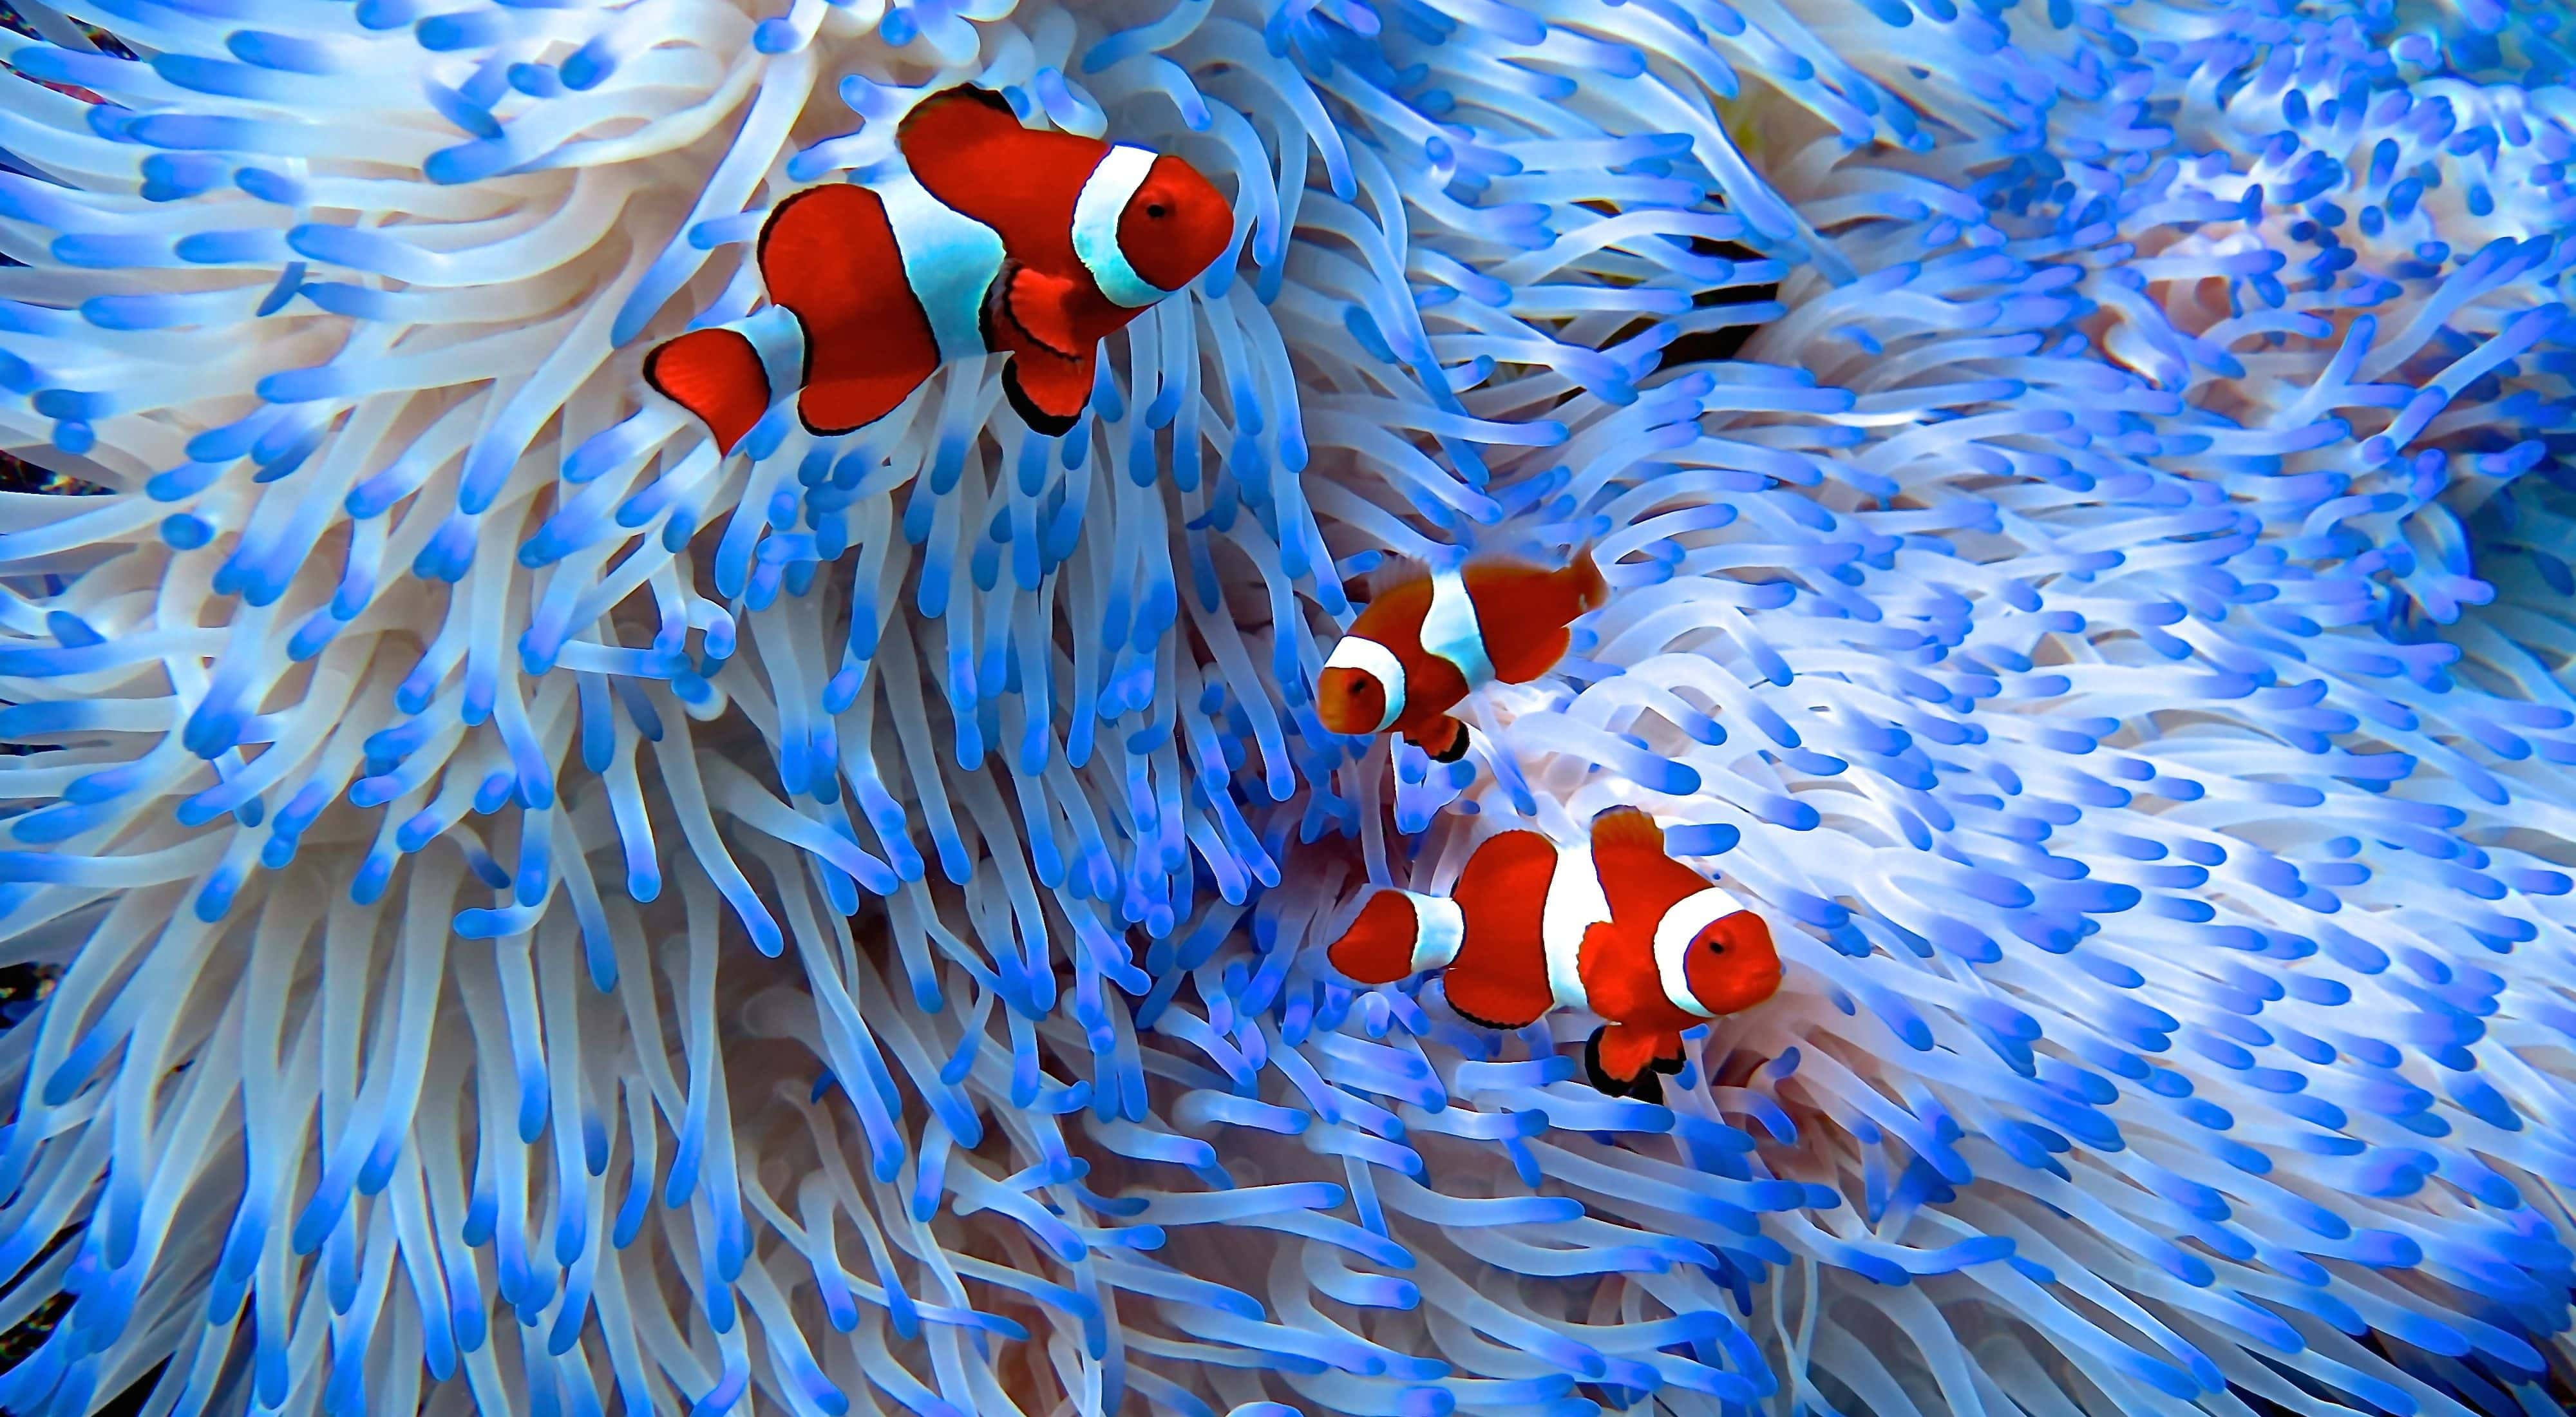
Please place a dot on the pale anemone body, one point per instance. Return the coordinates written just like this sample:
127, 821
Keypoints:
2112, 634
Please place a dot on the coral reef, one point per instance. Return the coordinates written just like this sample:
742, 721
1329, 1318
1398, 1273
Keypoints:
552, 919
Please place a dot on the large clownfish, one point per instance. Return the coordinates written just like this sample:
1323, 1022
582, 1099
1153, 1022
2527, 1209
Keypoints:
1617, 927
996, 239
1427, 642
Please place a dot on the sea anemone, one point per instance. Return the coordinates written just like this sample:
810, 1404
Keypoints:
553, 919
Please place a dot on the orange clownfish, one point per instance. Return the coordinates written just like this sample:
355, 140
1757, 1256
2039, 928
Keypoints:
1424, 644
1617, 927
996, 239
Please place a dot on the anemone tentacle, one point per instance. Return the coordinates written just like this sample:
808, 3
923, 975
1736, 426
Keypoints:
2109, 617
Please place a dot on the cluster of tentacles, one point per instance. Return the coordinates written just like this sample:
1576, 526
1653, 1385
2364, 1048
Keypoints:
551, 916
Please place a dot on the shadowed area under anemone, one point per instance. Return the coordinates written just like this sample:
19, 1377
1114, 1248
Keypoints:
512, 911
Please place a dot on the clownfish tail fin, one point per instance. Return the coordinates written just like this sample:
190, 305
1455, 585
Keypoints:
1378, 947
715, 374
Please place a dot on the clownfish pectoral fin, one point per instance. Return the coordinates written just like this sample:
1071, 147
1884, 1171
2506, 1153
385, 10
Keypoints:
1048, 393
1040, 308
1444, 738
1621, 1060
716, 375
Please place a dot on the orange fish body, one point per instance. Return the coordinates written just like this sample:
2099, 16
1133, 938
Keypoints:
995, 239
1617, 927
1426, 643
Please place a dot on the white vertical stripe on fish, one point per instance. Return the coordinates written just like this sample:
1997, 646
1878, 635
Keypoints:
1096, 212
1451, 631
950, 259
1367, 656
1439, 931
1575, 903
1682, 922
778, 337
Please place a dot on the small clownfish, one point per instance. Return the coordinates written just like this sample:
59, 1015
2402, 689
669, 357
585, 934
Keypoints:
1423, 646
996, 239
1617, 927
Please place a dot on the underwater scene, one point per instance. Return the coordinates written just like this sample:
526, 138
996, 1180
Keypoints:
1281, 708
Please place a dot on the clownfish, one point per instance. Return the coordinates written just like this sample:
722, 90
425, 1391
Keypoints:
1427, 642
995, 239
1616, 927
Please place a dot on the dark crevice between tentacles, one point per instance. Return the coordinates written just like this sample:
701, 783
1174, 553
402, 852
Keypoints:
22, 987
1701, 346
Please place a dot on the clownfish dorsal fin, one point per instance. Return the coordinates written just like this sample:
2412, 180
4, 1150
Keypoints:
1638, 875
1591, 590
962, 112
1394, 596
1040, 306
1394, 573
1626, 829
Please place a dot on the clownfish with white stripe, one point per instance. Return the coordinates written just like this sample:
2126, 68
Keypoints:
996, 238
1427, 641
1616, 927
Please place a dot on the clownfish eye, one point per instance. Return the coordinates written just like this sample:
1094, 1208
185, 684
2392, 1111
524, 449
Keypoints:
1717, 947
1154, 210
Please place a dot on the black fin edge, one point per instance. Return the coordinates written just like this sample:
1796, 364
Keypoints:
1457, 749
1593, 1073
1646, 1086
975, 92
1041, 422
1485, 1022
